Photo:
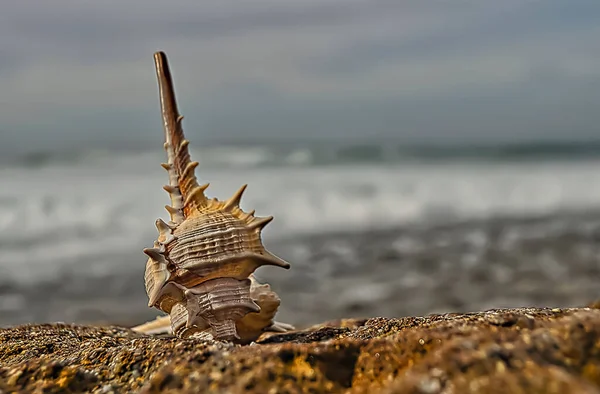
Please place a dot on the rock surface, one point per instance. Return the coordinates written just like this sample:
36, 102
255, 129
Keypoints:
501, 351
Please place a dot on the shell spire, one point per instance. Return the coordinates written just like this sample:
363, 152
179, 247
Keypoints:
184, 191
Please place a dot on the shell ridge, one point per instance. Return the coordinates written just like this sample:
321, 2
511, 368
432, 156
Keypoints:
257, 259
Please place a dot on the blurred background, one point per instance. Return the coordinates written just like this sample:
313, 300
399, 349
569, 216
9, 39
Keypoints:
418, 157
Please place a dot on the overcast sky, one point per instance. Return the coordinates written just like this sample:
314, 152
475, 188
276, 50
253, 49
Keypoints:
81, 72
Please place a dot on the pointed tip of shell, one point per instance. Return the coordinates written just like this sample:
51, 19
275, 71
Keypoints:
235, 200
171, 210
171, 189
271, 259
153, 253
190, 167
162, 226
261, 222
197, 194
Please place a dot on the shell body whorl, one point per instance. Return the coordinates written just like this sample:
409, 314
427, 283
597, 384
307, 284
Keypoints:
199, 270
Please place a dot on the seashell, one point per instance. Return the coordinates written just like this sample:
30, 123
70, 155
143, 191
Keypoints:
199, 270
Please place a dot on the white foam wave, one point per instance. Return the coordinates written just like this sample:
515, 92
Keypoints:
55, 215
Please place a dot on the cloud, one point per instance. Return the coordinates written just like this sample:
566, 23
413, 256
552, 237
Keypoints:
313, 61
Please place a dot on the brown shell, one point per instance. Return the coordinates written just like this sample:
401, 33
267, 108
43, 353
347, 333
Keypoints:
252, 325
200, 268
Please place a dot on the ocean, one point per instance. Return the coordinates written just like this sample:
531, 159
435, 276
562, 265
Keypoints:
369, 229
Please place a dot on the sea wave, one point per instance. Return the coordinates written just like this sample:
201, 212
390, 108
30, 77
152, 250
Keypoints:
327, 154
82, 216
366, 217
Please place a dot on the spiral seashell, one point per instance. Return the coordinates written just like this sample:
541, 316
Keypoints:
199, 270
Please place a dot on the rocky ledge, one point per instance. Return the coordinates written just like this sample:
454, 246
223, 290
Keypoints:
499, 351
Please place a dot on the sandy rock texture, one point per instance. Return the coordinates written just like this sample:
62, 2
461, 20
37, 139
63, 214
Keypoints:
500, 351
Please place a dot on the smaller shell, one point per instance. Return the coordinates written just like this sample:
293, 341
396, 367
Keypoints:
214, 306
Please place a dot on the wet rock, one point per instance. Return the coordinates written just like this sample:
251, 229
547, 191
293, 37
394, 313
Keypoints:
500, 351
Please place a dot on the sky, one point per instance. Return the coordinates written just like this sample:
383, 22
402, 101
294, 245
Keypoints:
77, 73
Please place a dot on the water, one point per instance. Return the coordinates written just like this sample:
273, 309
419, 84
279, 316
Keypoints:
368, 229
